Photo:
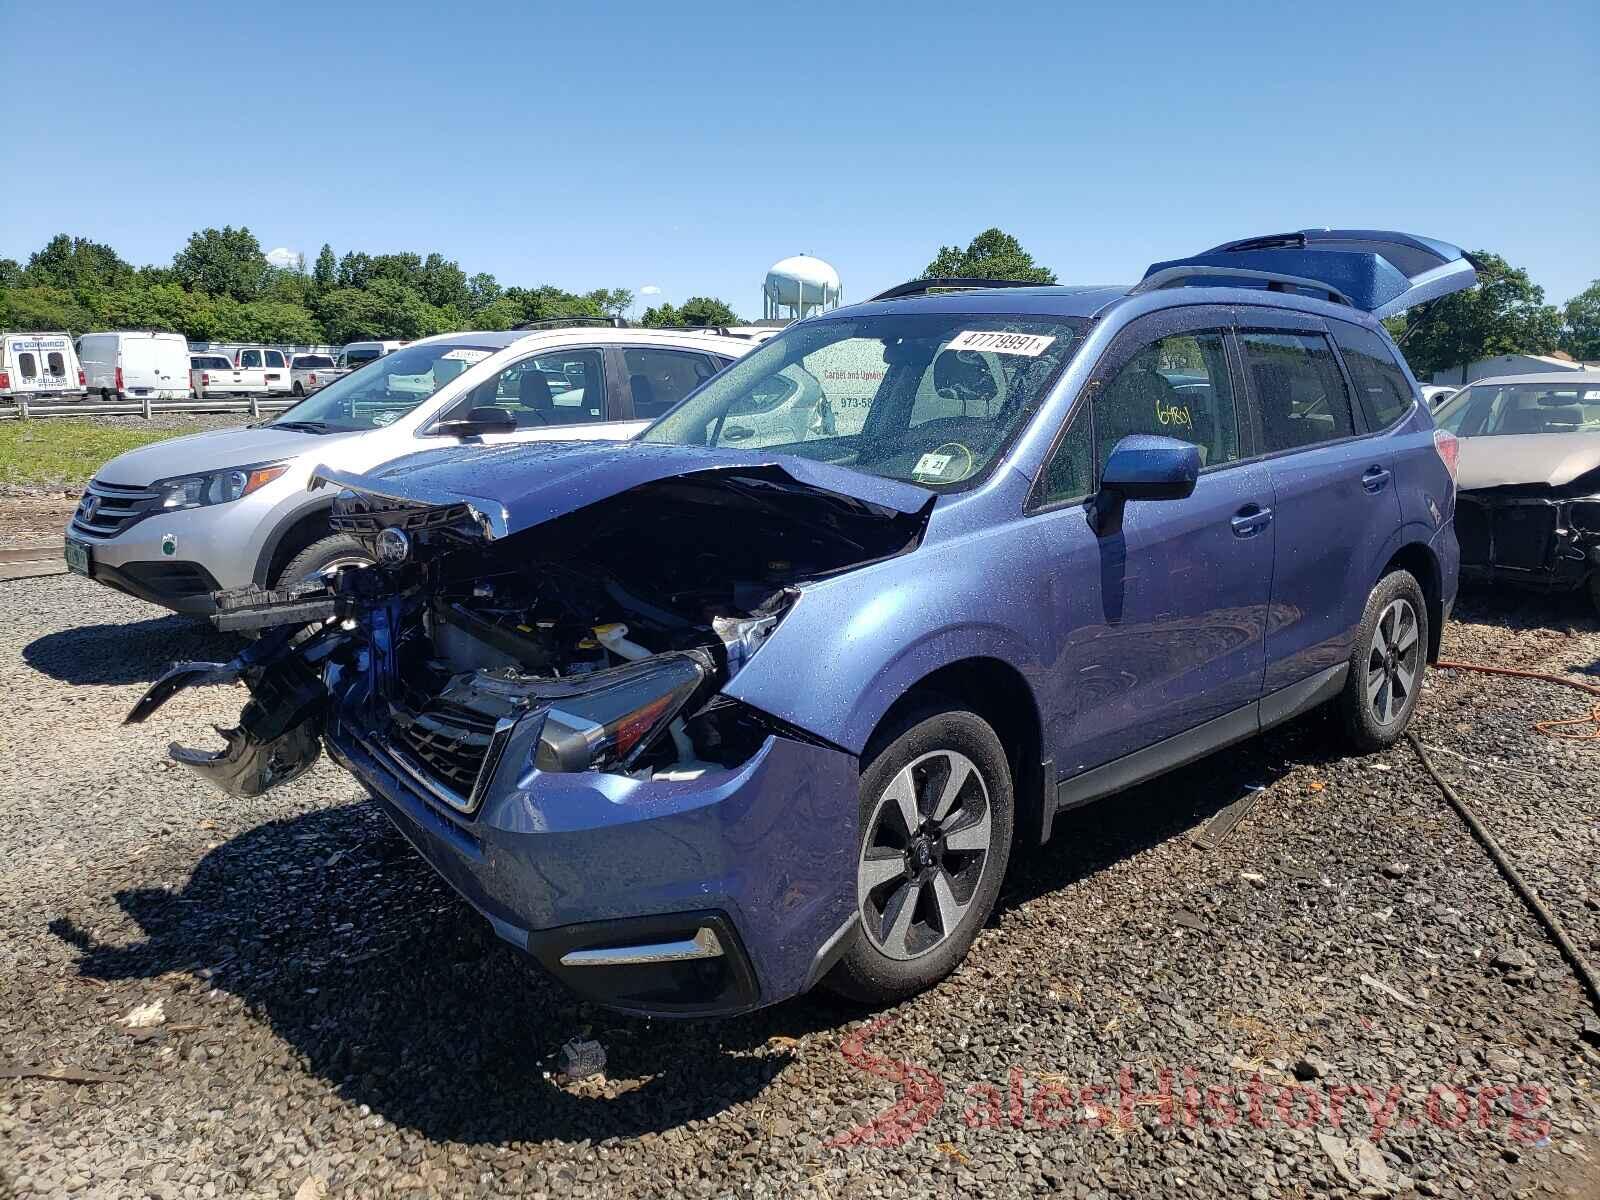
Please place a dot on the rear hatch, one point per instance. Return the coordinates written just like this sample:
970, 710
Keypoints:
1377, 271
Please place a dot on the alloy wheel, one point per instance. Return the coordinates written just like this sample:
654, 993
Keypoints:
924, 854
1394, 661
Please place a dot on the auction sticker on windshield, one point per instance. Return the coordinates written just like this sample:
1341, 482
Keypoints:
465, 355
997, 341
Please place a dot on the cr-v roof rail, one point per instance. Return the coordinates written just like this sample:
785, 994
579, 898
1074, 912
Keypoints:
950, 283
570, 322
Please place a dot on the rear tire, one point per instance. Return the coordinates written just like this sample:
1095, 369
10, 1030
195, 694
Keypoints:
337, 550
298, 389
922, 894
1387, 663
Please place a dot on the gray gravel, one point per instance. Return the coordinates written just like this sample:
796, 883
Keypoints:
331, 1017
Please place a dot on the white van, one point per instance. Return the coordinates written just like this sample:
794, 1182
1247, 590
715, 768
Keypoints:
38, 366
359, 354
136, 366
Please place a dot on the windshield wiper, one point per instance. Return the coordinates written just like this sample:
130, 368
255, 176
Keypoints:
303, 426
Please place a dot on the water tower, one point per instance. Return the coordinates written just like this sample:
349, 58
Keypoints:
798, 287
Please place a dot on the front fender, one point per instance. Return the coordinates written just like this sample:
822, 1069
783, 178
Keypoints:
837, 662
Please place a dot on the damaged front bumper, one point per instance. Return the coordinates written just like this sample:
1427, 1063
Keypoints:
1545, 541
711, 894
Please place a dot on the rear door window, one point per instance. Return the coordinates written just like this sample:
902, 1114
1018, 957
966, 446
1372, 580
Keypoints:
1381, 385
274, 358
27, 365
56, 364
658, 379
1298, 389
250, 358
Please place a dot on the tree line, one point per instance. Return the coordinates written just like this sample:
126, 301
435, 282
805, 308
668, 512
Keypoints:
221, 288
1504, 313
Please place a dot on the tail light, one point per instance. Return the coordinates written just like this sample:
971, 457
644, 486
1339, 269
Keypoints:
118, 380
205, 378
5, 379
82, 379
313, 377
1449, 450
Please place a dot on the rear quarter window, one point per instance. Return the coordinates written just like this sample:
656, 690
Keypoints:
1381, 386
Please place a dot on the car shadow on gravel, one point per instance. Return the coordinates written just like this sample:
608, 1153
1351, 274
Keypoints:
337, 936
135, 652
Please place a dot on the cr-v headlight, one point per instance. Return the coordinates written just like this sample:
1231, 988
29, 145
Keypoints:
215, 487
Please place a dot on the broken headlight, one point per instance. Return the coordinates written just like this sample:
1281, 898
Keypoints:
609, 727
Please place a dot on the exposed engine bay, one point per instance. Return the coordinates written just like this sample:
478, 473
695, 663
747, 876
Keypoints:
1533, 534
598, 640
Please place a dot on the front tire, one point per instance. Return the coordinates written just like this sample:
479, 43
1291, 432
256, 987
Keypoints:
936, 818
337, 550
1386, 664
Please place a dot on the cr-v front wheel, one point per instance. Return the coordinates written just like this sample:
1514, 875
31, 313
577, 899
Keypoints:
936, 821
1386, 663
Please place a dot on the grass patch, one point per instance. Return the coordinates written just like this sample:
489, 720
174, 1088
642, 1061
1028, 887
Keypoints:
65, 452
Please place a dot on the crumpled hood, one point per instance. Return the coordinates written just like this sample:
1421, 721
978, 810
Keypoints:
516, 486
1551, 459
212, 451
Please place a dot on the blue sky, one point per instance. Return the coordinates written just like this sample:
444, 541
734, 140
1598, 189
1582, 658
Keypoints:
688, 146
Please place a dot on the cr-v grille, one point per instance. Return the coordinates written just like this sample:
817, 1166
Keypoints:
108, 508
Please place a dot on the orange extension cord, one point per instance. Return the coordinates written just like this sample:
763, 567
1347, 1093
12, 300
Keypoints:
1555, 729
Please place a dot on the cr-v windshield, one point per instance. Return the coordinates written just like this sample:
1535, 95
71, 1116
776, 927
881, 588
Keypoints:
1490, 409
383, 390
931, 399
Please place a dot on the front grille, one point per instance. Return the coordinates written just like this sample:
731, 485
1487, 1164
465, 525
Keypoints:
445, 740
108, 508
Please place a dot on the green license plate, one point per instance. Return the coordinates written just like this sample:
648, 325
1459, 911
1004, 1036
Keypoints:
78, 558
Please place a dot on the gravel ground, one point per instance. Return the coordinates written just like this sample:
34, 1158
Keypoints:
1322, 989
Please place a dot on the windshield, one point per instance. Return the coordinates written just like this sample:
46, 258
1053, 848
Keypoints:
385, 389
1497, 409
929, 399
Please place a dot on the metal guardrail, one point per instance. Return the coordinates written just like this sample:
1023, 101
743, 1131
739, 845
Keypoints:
254, 405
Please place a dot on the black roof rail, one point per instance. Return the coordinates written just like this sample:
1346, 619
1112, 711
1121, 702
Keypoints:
1180, 275
950, 283
574, 321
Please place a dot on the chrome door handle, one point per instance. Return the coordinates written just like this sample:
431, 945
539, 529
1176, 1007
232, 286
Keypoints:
1250, 520
1375, 477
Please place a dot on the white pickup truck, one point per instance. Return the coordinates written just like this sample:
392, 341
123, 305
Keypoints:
274, 362
309, 372
214, 375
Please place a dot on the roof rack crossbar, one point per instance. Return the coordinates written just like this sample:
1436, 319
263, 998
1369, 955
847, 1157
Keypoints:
1178, 276
949, 283
570, 322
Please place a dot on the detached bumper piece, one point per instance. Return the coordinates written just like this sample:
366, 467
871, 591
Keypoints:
279, 734
685, 964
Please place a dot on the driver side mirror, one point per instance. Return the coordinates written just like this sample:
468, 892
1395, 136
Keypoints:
477, 422
1143, 466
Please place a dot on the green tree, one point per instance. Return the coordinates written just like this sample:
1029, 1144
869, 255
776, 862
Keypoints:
482, 291
612, 302
547, 302
326, 269
41, 309
77, 264
1581, 337
662, 316
500, 314
276, 321
1504, 313
705, 310
355, 270
10, 273
993, 254
223, 262
443, 283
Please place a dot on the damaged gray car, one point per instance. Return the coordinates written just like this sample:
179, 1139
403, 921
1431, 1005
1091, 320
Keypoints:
1528, 510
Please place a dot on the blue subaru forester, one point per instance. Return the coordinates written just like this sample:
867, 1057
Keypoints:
764, 697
